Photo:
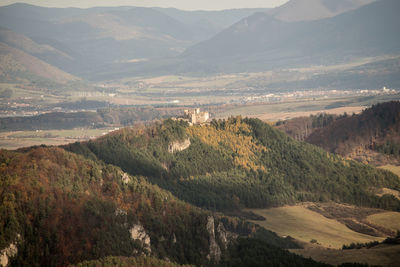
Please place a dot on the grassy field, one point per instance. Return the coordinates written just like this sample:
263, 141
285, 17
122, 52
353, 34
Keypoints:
279, 107
392, 168
304, 107
275, 116
29, 93
306, 225
14, 140
390, 220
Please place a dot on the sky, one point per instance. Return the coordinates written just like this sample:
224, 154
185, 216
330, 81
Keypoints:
180, 4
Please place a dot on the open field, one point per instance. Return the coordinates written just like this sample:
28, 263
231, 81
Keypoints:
288, 110
392, 168
292, 108
382, 255
390, 220
299, 105
387, 191
14, 140
289, 115
305, 225
29, 93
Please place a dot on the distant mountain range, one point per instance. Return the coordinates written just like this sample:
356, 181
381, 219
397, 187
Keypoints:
307, 10
111, 43
82, 41
262, 41
19, 60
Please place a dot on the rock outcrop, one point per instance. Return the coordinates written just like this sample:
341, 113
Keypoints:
178, 145
139, 233
218, 238
222, 235
7, 253
125, 178
215, 250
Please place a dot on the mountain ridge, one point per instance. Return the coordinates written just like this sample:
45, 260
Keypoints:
307, 10
261, 40
202, 42
258, 167
16, 65
120, 35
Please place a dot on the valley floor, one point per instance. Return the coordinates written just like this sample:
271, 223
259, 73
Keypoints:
18, 139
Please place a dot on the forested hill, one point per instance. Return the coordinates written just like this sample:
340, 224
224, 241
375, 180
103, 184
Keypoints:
375, 129
302, 127
238, 163
57, 208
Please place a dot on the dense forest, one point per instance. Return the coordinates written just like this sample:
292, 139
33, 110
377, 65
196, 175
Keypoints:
61, 209
300, 128
138, 261
376, 129
58, 208
237, 163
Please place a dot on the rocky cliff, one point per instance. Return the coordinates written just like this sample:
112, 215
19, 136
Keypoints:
178, 145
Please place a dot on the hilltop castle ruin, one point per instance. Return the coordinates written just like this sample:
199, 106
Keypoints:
194, 116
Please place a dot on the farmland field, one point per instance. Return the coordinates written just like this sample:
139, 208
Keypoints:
390, 220
282, 110
328, 235
14, 140
306, 225
392, 168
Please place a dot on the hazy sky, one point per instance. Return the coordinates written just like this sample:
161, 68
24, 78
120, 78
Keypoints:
180, 4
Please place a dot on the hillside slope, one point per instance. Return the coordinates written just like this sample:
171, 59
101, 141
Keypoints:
376, 129
29, 46
300, 128
90, 41
16, 65
58, 208
205, 24
239, 163
92, 38
262, 41
110, 43
305, 10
